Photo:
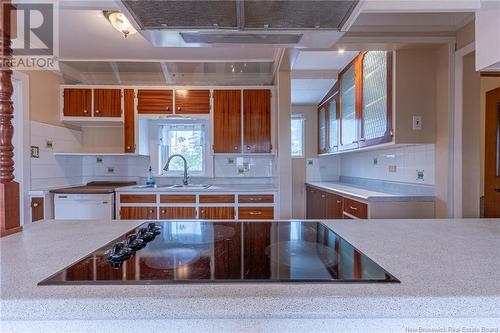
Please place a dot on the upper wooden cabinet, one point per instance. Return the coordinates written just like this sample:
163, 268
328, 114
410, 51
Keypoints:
107, 103
257, 121
129, 121
227, 121
322, 129
349, 105
154, 101
77, 102
328, 122
192, 101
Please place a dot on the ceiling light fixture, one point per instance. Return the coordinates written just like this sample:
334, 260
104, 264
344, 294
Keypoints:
341, 51
119, 22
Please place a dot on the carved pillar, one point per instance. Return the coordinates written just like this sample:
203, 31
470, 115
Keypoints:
9, 189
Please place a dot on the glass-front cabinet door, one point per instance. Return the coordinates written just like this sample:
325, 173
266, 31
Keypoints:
322, 130
333, 125
376, 105
348, 116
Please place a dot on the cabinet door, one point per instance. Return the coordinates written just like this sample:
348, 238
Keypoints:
322, 130
227, 250
376, 105
257, 121
333, 124
227, 121
315, 207
37, 210
77, 102
256, 213
334, 206
321, 204
151, 101
192, 101
257, 256
129, 121
349, 106
138, 213
107, 103
216, 213
177, 213
355, 208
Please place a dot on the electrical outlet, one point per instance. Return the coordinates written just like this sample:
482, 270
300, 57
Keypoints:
110, 170
310, 162
35, 152
98, 159
417, 122
375, 161
49, 144
392, 168
230, 160
241, 171
420, 175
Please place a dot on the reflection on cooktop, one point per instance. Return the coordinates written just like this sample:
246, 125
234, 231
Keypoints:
211, 252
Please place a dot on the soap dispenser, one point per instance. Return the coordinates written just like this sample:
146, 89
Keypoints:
150, 180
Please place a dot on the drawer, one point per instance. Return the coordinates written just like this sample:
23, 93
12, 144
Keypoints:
256, 213
177, 213
256, 198
137, 198
356, 208
138, 213
177, 198
216, 198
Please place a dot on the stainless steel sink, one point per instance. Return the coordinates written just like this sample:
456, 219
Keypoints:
192, 186
153, 186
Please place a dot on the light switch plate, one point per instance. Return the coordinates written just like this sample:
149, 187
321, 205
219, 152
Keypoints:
98, 159
35, 152
310, 162
420, 175
417, 122
110, 170
375, 161
392, 168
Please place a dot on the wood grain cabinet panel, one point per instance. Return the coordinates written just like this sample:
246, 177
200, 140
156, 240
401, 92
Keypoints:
192, 101
177, 198
356, 208
227, 250
177, 213
257, 121
137, 198
255, 213
129, 121
107, 103
77, 102
138, 213
216, 198
154, 101
37, 210
227, 121
257, 256
334, 206
216, 213
256, 198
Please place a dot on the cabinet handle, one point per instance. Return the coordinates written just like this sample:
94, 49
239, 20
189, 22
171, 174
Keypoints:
35, 205
167, 108
96, 111
248, 147
339, 201
355, 141
163, 211
151, 211
179, 108
323, 196
256, 199
255, 213
353, 208
85, 111
235, 147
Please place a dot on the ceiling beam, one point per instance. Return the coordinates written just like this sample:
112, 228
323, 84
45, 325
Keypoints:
315, 74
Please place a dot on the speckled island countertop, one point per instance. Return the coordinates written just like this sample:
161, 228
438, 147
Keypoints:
449, 272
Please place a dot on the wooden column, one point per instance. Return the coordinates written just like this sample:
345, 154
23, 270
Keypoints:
9, 189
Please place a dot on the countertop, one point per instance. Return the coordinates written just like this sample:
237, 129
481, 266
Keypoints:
358, 192
252, 188
447, 268
92, 188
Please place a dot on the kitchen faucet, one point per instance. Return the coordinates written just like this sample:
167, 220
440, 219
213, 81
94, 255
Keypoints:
185, 180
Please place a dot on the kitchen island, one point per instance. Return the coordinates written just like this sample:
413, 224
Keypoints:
449, 272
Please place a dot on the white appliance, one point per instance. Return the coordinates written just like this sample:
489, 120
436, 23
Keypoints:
84, 206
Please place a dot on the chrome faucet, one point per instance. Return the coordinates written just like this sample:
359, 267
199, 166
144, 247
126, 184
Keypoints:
185, 180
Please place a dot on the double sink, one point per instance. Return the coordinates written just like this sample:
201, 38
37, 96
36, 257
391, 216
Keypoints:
176, 186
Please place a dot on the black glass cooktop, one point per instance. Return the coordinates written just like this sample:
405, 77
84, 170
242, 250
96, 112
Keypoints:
211, 252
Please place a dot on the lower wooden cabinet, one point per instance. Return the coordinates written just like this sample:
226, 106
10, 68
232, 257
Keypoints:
326, 205
216, 213
227, 250
334, 206
355, 208
167, 213
256, 213
138, 213
37, 209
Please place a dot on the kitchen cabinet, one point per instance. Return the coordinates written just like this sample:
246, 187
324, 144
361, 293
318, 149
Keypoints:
355, 209
107, 103
227, 121
137, 198
349, 99
129, 121
192, 101
334, 206
256, 198
255, 213
37, 209
217, 198
227, 250
154, 101
333, 123
167, 213
177, 198
216, 213
257, 253
257, 121
322, 130
77, 102
138, 213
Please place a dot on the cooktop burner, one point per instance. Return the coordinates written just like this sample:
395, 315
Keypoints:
211, 252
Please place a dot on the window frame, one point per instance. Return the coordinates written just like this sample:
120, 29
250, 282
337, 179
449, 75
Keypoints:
303, 120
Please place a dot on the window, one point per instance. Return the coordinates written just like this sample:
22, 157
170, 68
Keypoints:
186, 139
297, 136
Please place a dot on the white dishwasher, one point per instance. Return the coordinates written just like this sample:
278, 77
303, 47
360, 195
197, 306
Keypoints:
84, 206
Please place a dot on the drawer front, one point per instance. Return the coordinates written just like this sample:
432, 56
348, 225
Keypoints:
256, 213
177, 198
256, 198
138, 213
216, 213
355, 208
216, 198
137, 198
177, 213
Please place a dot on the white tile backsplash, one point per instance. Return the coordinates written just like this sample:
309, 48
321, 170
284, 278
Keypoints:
244, 166
325, 168
126, 168
406, 159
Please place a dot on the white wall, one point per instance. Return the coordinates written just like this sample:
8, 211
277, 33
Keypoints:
487, 44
